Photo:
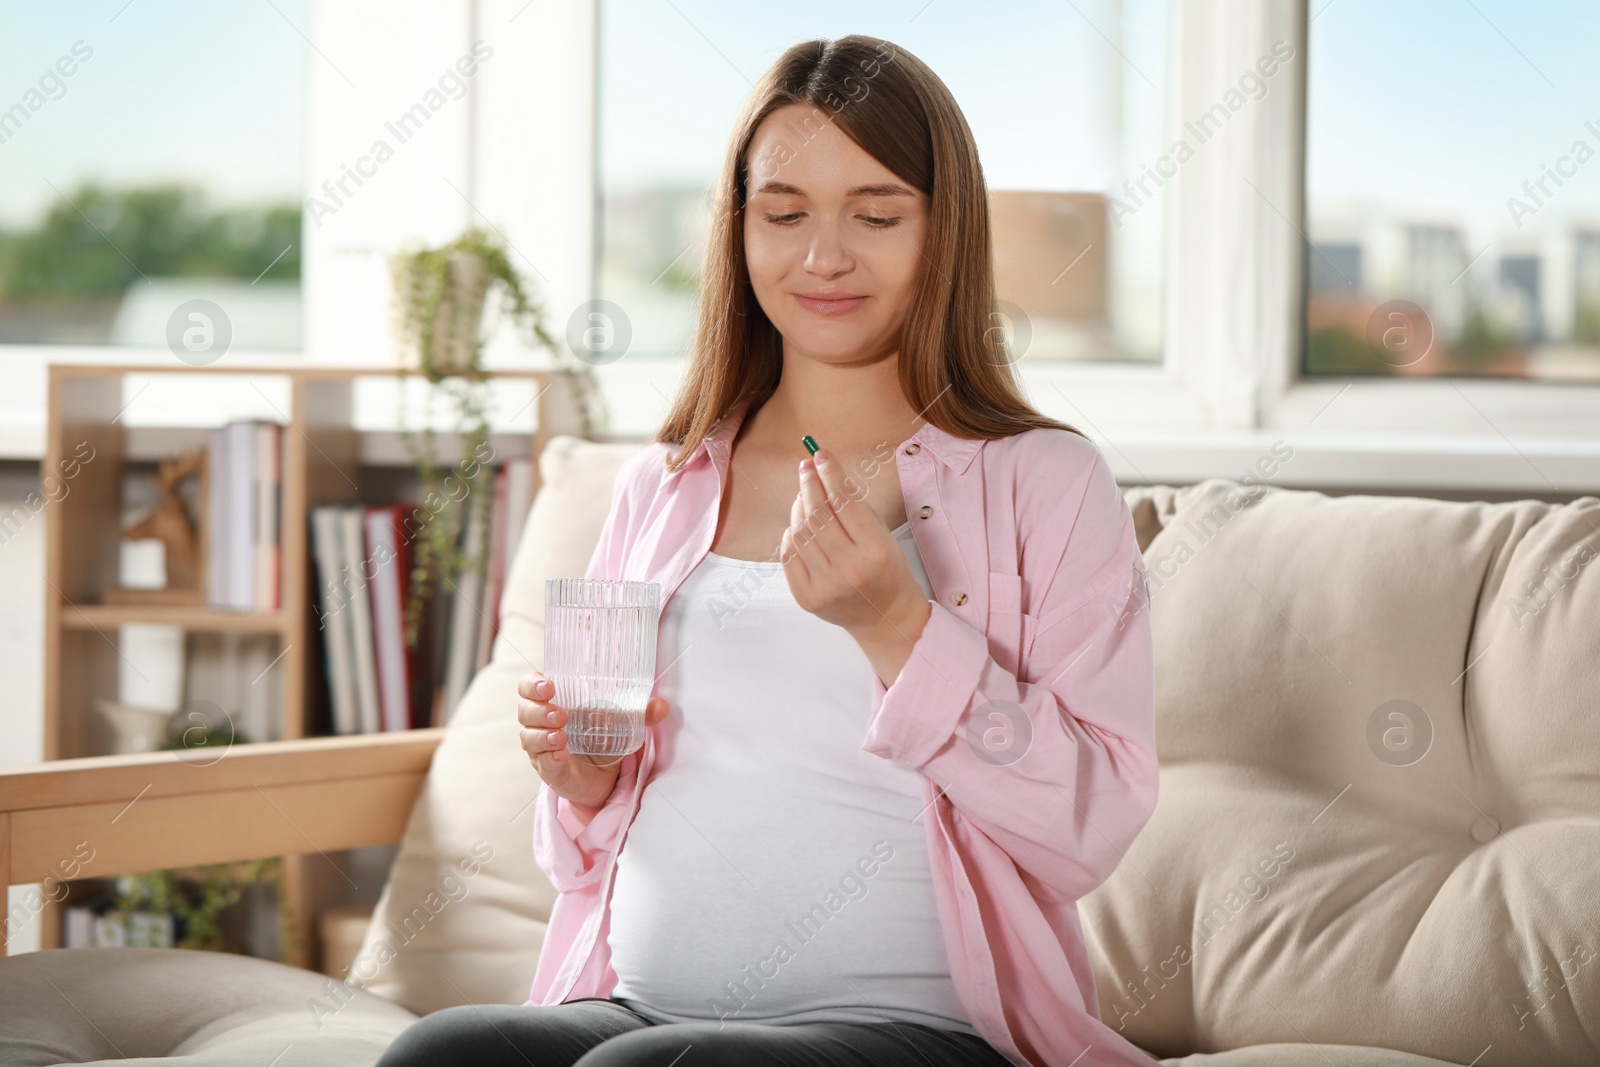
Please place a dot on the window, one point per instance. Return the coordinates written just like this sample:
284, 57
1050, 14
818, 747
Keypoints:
1452, 190
1067, 104
152, 181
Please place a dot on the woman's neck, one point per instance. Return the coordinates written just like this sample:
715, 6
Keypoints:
847, 412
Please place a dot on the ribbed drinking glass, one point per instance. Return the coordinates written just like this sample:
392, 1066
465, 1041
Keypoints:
600, 653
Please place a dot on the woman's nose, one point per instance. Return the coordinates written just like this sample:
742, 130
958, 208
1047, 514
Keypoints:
827, 254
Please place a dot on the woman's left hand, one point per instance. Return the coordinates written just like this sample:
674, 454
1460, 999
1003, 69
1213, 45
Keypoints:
843, 564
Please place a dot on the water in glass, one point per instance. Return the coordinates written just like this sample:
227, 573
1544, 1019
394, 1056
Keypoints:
600, 652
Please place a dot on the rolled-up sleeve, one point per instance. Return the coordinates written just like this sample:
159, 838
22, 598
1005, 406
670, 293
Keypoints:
1075, 778
570, 849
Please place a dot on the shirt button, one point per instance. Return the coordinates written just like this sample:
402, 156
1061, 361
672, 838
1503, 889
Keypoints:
958, 599
913, 448
925, 511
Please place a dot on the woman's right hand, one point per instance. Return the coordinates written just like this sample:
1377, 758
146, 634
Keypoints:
581, 779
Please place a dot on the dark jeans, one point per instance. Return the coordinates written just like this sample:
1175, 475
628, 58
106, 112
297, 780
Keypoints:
595, 1032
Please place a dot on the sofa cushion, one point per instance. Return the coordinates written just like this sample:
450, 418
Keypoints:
1380, 795
211, 1009
442, 936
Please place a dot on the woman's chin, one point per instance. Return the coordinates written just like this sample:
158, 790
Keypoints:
835, 345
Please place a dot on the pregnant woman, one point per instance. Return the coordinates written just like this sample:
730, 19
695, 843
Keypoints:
903, 714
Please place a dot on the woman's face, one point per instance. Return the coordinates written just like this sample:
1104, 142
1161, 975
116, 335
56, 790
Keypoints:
832, 237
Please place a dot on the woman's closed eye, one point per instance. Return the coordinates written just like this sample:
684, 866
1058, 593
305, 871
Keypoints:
793, 218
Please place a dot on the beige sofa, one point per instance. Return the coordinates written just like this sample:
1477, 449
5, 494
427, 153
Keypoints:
1374, 843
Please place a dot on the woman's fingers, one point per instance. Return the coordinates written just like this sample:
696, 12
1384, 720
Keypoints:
543, 742
541, 713
827, 518
529, 687
818, 520
839, 487
799, 544
542, 735
538, 716
544, 738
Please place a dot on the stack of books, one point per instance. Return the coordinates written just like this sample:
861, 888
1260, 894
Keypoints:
363, 554
244, 560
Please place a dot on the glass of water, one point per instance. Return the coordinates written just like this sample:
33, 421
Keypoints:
600, 654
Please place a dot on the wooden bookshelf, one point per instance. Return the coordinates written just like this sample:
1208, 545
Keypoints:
321, 465
100, 616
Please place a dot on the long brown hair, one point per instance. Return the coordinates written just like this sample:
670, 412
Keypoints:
954, 367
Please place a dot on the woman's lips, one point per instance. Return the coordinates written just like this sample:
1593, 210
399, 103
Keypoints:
831, 304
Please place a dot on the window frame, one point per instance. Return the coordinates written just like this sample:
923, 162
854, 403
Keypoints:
1472, 417
1236, 337
1230, 382
532, 181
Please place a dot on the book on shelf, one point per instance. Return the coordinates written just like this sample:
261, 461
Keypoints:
377, 680
244, 554
488, 621
389, 552
461, 654
355, 579
344, 617
337, 637
267, 551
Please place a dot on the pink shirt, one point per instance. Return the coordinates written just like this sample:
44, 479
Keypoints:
1027, 704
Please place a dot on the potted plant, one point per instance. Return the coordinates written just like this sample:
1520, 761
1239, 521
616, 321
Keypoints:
440, 297
196, 900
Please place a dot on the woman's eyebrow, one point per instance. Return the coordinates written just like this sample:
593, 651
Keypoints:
890, 189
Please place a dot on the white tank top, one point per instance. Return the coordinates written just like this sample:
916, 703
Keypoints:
774, 872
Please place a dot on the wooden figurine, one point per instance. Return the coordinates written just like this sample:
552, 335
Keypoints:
170, 523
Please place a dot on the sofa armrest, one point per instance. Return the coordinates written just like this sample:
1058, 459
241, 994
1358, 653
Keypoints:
110, 815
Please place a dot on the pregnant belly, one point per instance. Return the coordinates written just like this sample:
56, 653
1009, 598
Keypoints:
742, 895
